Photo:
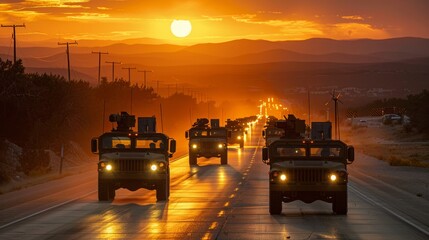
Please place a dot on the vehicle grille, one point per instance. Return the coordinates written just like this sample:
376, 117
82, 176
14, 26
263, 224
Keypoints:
130, 165
208, 145
308, 175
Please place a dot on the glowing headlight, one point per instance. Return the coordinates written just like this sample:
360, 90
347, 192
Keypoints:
333, 177
194, 146
239, 137
283, 177
109, 167
153, 167
220, 145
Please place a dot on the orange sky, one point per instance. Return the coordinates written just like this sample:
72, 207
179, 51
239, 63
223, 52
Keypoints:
214, 21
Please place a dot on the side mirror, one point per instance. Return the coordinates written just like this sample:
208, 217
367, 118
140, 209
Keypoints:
186, 134
94, 145
350, 154
265, 155
173, 146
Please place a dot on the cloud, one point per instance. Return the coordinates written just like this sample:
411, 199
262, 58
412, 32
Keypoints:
89, 16
353, 17
355, 30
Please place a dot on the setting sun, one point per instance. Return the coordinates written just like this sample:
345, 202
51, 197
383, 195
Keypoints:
181, 28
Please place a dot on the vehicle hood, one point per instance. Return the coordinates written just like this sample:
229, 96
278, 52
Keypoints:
132, 155
308, 164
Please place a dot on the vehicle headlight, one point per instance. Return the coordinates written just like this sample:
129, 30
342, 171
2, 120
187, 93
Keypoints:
239, 137
153, 167
194, 146
333, 177
283, 177
220, 145
109, 167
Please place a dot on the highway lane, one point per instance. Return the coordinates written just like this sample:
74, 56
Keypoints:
209, 201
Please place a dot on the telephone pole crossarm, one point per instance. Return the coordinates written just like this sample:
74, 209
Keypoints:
14, 26
68, 56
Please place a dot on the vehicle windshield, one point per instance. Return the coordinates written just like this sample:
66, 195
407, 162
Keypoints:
308, 152
126, 143
207, 133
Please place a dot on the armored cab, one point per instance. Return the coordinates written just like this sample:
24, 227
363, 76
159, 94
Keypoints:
133, 160
207, 140
237, 132
307, 169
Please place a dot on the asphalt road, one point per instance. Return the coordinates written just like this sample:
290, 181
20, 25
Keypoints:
210, 201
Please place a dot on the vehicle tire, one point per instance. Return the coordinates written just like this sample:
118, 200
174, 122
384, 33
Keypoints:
275, 202
224, 158
339, 205
162, 191
105, 192
192, 159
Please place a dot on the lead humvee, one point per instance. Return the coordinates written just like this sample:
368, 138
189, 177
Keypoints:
133, 160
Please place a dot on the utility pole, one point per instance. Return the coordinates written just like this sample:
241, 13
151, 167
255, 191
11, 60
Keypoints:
113, 69
99, 63
14, 38
145, 71
131, 88
68, 56
129, 73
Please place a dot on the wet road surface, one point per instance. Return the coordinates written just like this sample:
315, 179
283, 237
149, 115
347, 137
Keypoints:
208, 201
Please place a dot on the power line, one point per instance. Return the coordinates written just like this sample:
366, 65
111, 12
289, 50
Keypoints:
113, 69
68, 56
99, 63
14, 26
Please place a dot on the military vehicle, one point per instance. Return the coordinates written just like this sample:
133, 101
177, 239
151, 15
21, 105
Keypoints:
207, 141
237, 131
307, 169
133, 160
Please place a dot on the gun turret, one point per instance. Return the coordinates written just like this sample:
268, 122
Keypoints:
124, 121
293, 127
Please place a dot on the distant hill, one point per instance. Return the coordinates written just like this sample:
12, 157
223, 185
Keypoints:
416, 46
392, 66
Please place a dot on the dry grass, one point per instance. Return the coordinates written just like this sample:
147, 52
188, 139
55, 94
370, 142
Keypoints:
390, 144
410, 154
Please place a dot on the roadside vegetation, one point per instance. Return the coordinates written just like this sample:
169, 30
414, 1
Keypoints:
41, 112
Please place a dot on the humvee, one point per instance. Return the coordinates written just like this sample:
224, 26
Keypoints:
133, 160
207, 141
307, 169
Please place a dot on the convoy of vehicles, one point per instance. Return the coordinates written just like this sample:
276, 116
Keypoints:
133, 160
301, 168
307, 169
207, 140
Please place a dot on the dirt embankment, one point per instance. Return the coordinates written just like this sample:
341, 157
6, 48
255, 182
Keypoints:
390, 143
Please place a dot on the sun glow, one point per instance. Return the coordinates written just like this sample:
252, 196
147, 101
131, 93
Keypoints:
181, 28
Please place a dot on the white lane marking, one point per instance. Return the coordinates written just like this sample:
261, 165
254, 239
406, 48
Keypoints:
379, 204
45, 210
